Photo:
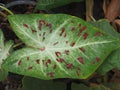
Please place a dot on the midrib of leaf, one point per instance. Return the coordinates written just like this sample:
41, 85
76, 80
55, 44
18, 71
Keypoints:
78, 46
37, 52
49, 49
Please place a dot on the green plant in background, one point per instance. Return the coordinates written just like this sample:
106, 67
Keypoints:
112, 61
59, 46
49, 4
4, 53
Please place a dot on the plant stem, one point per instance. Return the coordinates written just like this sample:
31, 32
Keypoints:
4, 15
92, 18
4, 8
18, 44
89, 9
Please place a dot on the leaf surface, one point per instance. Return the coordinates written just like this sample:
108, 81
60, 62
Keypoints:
49, 4
104, 25
4, 48
113, 60
59, 46
4, 52
1, 40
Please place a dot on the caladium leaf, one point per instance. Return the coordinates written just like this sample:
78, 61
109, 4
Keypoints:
49, 4
4, 48
112, 61
4, 52
60, 46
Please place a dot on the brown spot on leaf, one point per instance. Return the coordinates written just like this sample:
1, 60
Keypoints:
42, 49
73, 28
29, 68
40, 23
55, 66
93, 62
69, 66
78, 68
81, 60
77, 72
38, 61
62, 31
48, 62
72, 44
66, 42
98, 59
39, 26
65, 35
79, 25
84, 28
19, 62
49, 25
61, 60
67, 52
43, 61
57, 54
50, 74
51, 31
82, 49
72, 21
25, 25
98, 34
85, 35
33, 31
81, 30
